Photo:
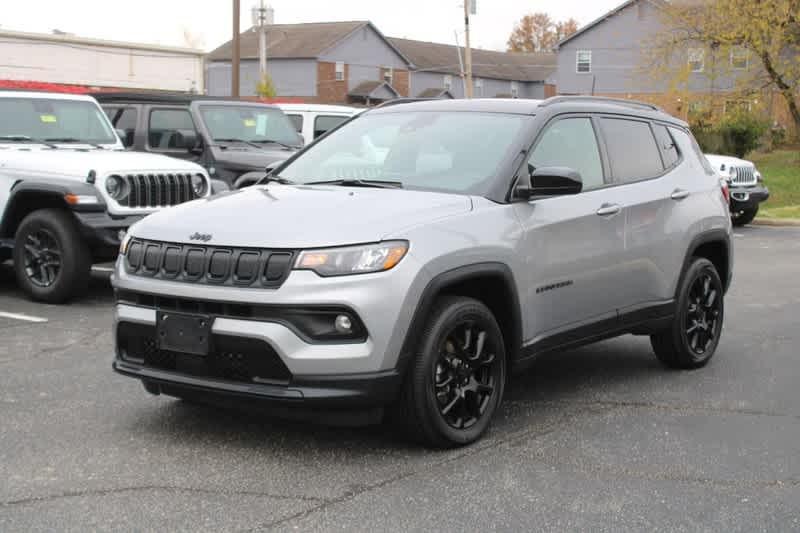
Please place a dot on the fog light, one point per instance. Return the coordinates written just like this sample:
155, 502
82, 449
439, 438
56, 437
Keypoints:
343, 324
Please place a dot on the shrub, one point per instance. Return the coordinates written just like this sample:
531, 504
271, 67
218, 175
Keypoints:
265, 88
741, 133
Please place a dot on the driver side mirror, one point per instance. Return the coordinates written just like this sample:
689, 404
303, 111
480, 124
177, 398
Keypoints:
189, 140
127, 140
549, 181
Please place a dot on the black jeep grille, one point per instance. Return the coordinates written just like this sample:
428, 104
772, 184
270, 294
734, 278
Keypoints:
243, 267
231, 358
157, 190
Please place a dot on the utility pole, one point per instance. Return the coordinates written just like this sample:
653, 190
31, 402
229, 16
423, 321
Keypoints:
467, 50
236, 59
263, 16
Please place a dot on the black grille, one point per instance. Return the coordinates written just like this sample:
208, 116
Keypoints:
231, 358
157, 190
214, 265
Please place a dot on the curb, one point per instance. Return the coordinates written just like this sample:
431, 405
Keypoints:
777, 222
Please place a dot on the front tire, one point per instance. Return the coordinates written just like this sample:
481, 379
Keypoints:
51, 261
457, 378
744, 217
694, 335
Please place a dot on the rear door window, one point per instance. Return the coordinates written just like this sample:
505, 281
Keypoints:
167, 129
632, 149
325, 123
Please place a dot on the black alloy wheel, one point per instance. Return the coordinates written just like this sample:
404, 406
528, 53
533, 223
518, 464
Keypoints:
703, 312
42, 258
694, 334
467, 372
457, 376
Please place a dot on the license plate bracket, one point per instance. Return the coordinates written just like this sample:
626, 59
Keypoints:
184, 333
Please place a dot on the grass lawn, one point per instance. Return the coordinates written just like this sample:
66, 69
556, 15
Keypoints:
781, 171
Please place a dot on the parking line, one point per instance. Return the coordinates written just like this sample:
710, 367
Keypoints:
19, 316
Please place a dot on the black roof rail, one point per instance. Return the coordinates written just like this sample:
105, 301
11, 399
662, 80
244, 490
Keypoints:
600, 99
402, 100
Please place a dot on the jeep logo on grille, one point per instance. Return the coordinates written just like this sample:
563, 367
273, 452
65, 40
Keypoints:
205, 237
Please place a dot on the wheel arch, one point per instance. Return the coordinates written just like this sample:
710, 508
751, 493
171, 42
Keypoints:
491, 283
714, 245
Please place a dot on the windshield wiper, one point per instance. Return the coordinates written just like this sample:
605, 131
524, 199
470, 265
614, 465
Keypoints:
68, 140
279, 143
25, 138
271, 178
233, 140
379, 184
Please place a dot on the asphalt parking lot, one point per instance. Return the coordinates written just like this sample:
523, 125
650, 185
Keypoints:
599, 438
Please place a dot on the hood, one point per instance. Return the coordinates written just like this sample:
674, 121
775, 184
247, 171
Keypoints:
236, 158
289, 216
78, 163
729, 161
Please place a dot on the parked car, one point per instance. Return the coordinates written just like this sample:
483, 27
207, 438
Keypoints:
416, 281
314, 120
68, 190
747, 189
236, 141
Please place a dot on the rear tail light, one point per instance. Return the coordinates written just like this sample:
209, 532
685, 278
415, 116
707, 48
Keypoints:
726, 190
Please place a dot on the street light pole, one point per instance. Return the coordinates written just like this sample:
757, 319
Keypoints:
467, 50
236, 59
262, 17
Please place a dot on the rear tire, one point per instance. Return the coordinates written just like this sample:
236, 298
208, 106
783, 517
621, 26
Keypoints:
457, 378
744, 217
694, 335
51, 261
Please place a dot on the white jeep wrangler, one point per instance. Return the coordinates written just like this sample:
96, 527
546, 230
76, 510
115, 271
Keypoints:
68, 190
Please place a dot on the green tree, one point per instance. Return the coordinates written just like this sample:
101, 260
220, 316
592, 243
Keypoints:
754, 42
265, 88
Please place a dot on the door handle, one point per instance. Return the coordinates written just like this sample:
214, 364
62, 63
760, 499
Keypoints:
607, 210
679, 194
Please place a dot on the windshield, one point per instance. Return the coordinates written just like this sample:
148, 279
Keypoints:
252, 124
445, 151
39, 119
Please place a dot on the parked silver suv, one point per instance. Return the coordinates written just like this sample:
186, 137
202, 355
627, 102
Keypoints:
416, 256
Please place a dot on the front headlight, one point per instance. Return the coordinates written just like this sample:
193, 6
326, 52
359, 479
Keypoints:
360, 259
199, 185
116, 187
759, 177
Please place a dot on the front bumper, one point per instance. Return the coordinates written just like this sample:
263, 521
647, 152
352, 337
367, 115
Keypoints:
748, 198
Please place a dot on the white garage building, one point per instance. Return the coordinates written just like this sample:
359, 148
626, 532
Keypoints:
37, 58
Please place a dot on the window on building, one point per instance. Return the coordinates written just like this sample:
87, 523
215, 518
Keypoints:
739, 58
388, 75
339, 70
626, 137
447, 82
697, 59
478, 87
514, 89
737, 106
123, 119
167, 127
583, 61
570, 143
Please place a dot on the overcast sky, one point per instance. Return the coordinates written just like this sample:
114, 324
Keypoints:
209, 21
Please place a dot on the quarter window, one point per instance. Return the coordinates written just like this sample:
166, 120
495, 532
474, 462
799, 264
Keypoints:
632, 149
570, 142
583, 61
167, 129
669, 150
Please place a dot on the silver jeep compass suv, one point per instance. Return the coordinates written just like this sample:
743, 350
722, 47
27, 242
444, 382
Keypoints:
413, 258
